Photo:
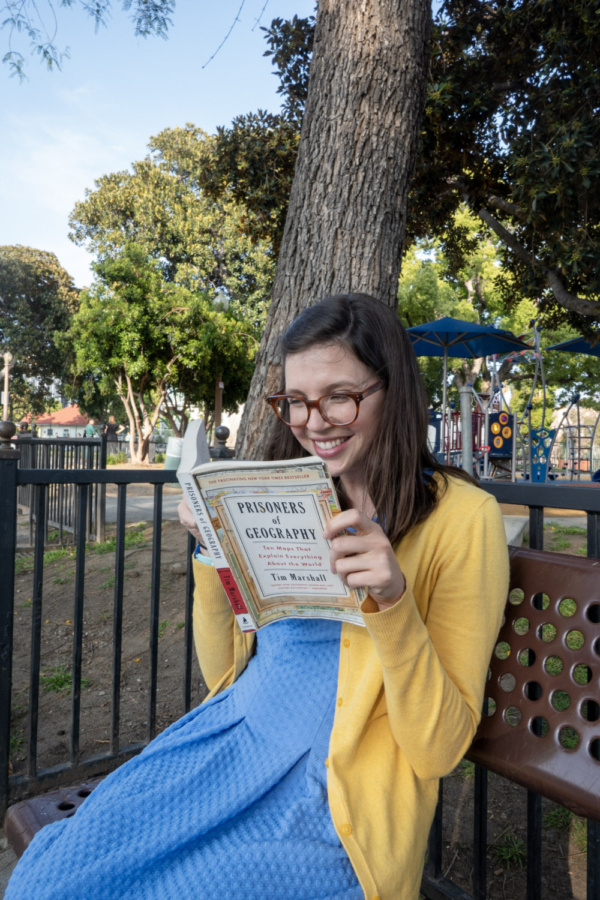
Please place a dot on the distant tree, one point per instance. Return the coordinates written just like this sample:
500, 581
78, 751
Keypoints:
197, 242
37, 301
430, 288
160, 346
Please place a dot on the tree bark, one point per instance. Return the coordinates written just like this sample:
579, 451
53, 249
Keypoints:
347, 213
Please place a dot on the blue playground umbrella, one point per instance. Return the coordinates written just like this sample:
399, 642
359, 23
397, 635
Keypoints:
463, 340
578, 345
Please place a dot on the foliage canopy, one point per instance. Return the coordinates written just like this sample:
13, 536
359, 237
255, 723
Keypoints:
161, 346
37, 301
511, 129
161, 206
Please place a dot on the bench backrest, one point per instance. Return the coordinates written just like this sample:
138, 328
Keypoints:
541, 722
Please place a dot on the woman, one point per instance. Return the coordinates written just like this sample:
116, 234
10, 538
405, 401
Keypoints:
111, 430
312, 769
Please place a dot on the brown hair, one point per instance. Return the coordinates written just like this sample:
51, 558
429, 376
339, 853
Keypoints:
399, 465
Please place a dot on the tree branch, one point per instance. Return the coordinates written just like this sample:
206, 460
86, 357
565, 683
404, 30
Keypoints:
563, 297
506, 206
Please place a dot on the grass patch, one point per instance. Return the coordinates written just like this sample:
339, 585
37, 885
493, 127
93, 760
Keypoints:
109, 583
559, 817
579, 832
160, 457
25, 563
134, 537
467, 769
60, 679
63, 579
16, 743
510, 851
179, 626
116, 459
51, 556
162, 627
559, 543
564, 529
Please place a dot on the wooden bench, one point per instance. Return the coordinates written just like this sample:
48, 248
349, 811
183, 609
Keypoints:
541, 726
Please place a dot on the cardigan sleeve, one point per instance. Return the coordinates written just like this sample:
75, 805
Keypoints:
223, 650
435, 664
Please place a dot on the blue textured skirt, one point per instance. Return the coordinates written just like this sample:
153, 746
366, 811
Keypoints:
230, 801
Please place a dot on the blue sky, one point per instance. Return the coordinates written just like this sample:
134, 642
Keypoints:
63, 129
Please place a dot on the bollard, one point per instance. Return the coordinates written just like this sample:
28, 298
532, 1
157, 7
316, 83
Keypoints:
466, 425
221, 451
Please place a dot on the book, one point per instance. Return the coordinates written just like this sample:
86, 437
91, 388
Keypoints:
262, 523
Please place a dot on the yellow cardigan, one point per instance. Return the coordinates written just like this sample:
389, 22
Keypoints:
410, 684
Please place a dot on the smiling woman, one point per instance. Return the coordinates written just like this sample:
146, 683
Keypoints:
311, 770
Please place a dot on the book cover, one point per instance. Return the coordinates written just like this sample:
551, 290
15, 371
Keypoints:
263, 524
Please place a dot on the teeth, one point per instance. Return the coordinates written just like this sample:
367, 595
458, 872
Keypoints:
329, 445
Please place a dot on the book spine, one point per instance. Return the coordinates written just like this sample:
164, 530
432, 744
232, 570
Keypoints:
243, 616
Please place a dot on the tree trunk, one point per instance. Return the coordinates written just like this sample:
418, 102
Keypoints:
346, 218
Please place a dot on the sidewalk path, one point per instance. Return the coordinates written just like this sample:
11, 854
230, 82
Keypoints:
141, 508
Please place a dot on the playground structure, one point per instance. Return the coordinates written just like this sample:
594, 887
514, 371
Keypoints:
506, 446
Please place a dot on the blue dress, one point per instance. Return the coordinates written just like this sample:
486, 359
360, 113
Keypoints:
230, 801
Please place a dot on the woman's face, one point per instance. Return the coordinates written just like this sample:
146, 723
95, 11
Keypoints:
327, 369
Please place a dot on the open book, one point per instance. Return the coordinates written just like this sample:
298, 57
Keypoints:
263, 525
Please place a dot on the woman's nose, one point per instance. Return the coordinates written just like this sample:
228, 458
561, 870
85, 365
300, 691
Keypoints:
315, 419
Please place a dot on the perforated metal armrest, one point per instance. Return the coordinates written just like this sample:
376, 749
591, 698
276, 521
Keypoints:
23, 820
541, 722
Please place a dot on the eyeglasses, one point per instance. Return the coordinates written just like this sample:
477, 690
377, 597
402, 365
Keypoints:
336, 409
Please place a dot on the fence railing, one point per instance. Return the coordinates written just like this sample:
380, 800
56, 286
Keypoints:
61, 508
74, 767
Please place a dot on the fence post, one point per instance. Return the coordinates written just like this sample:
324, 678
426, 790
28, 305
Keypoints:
101, 495
8, 544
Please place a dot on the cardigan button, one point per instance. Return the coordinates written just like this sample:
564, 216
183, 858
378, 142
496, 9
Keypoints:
340, 701
346, 830
346, 642
327, 762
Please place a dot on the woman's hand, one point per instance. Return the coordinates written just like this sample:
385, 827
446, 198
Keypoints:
365, 558
186, 517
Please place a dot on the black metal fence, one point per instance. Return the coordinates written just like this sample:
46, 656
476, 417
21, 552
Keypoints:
41, 482
74, 767
61, 507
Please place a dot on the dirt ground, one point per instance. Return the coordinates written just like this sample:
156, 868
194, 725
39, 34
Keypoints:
564, 836
56, 645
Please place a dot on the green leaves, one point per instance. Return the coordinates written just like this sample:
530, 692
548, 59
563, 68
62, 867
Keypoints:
164, 205
37, 300
512, 126
37, 25
152, 338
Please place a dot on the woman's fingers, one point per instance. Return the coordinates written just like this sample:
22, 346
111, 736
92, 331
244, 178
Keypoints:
186, 517
364, 557
349, 519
